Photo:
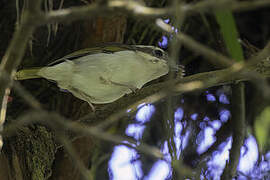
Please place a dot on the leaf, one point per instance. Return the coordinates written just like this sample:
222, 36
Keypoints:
229, 32
262, 127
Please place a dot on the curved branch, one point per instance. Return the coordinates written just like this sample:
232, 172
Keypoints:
156, 92
135, 8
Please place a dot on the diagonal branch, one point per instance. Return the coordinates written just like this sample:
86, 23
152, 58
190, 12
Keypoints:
156, 92
59, 124
238, 122
135, 8
15, 52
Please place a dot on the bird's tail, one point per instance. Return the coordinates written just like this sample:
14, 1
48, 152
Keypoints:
27, 74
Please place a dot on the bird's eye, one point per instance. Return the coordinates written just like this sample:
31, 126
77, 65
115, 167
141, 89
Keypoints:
154, 61
157, 53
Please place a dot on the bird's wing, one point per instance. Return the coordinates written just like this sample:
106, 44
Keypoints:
107, 48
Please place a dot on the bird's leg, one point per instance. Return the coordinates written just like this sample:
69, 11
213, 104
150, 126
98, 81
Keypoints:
83, 96
86, 97
179, 69
92, 106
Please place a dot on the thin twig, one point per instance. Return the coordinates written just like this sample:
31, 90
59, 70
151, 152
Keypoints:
237, 73
21, 91
58, 123
27, 96
211, 55
15, 52
238, 122
137, 9
75, 158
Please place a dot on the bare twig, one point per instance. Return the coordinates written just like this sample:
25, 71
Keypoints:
137, 9
211, 55
93, 131
238, 122
233, 5
237, 73
75, 158
58, 123
264, 54
29, 99
21, 91
15, 52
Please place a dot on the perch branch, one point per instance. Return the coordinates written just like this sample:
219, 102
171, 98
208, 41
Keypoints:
195, 82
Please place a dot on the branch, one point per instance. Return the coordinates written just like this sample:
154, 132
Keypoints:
14, 54
135, 8
211, 55
233, 5
156, 92
60, 124
75, 158
21, 91
238, 123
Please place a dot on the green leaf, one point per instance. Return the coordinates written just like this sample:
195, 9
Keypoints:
262, 126
229, 32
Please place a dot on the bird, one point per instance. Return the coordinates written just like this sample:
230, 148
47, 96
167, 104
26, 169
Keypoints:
105, 73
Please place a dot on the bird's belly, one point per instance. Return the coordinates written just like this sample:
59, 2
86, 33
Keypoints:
98, 91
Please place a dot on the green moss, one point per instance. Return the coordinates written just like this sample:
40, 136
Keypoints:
38, 149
